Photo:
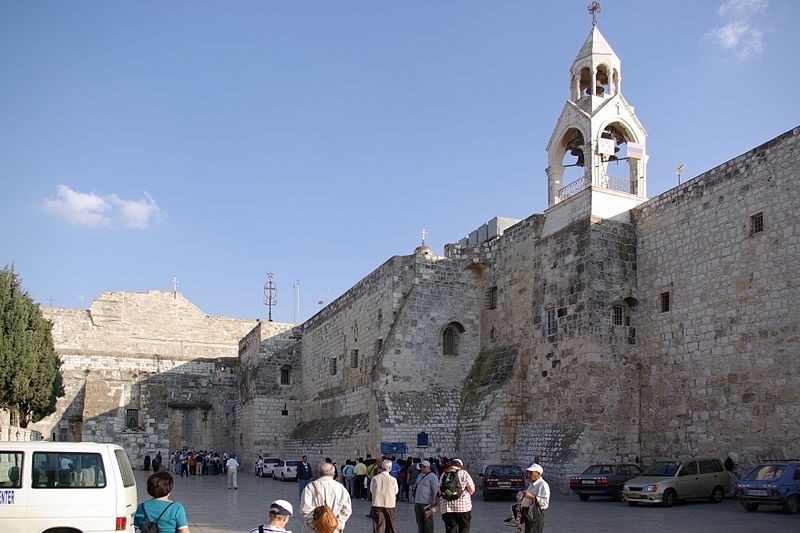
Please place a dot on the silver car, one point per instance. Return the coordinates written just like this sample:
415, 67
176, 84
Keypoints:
668, 482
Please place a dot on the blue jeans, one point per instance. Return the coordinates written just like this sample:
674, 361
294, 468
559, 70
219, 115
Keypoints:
303, 483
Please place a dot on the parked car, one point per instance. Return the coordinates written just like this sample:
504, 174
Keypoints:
771, 483
603, 480
502, 480
668, 482
286, 470
268, 466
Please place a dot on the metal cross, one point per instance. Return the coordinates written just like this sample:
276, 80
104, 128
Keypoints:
424, 234
174, 282
594, 9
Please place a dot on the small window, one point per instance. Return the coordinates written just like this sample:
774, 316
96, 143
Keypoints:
451, 337
333, 366
618, 315
68, 470
491, 298
756, 223
551, 325
377, 346
665, 303
353, 358
132, 418
286, 375
10, 468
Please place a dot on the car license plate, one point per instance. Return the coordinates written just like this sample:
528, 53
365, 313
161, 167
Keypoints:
503, 483
756, 492
588, 482
632, 496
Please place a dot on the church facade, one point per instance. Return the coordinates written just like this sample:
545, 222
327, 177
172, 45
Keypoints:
612, 327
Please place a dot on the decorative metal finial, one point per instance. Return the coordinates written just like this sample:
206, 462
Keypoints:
174, 282
424, 234
594, 9
269, 292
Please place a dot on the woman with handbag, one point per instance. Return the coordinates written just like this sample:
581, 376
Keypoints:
535, 500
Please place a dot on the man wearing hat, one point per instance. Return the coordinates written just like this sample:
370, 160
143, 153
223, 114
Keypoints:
280, 511
537, 493
424, 490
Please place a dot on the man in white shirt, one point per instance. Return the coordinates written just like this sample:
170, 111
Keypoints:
537, 493
232, 466
325, 490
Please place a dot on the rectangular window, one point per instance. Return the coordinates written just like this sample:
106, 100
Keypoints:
286, 375
551, 325
377, 346
491, 298
132, 418
617, 315
664, 302
10, 470
68, 470
333, 366
354, 358
756, 223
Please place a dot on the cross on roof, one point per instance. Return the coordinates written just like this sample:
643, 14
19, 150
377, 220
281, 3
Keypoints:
594, 9
424, 234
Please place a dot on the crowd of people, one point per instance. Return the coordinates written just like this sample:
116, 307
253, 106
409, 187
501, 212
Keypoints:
434, 485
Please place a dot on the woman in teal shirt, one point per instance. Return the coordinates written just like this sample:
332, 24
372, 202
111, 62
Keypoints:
173, 519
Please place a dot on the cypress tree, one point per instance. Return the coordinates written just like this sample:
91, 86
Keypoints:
30, 375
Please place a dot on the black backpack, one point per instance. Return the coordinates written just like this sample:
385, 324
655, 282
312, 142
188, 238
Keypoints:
451, 488
149, 526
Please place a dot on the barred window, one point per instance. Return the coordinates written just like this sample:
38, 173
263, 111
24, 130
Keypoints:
491, 298
451, 337
756, 223
618, 315
333, 366
354, 358
665, 303
551, 326
377, 346
132, 418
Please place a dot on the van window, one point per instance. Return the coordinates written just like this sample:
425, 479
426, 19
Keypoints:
68, 470
125, 468
689, 468
10, 468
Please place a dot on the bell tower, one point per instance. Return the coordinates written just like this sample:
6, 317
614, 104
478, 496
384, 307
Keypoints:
597, 160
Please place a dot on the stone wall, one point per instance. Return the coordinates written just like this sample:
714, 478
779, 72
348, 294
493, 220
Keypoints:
719, 368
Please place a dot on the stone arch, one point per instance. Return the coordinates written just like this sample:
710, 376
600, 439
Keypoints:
451, 338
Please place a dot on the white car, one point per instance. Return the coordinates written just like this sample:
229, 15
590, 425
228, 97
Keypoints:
286, 470
268, 466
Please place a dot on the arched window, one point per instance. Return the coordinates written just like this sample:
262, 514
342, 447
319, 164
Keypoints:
451, 337
286, 375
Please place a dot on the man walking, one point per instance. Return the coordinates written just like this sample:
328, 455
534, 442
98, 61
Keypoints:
537, 493
424, 493
325, 491
457, 513
384, 499
233, 478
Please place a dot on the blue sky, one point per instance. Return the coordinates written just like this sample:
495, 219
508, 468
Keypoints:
214, 142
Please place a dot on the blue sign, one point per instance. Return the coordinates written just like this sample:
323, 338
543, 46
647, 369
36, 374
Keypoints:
422, 440
393, 448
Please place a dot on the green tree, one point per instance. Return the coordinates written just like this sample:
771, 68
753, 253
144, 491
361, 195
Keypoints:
30, 375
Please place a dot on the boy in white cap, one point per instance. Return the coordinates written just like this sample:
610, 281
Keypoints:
280, 511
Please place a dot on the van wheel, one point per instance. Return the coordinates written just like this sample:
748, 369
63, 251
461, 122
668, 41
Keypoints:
669, 498
792, 504
717, 495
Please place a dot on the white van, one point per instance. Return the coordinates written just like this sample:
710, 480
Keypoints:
65, 487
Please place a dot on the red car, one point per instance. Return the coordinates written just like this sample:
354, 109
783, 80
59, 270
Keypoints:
502, 480
603, 480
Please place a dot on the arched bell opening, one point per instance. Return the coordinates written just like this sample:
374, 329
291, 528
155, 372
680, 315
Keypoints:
621, 159
574, 153
602, 86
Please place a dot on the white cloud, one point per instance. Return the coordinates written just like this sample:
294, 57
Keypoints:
89, 209
738, 37
742, 8
741, 34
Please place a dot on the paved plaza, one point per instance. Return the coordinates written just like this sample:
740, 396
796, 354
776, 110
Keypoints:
212, 508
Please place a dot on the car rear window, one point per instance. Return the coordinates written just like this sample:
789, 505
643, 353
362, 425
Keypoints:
766, 473
503, 470
600, 469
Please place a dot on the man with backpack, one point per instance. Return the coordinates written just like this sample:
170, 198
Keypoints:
456, 488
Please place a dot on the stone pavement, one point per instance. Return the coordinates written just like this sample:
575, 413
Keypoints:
212, 508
